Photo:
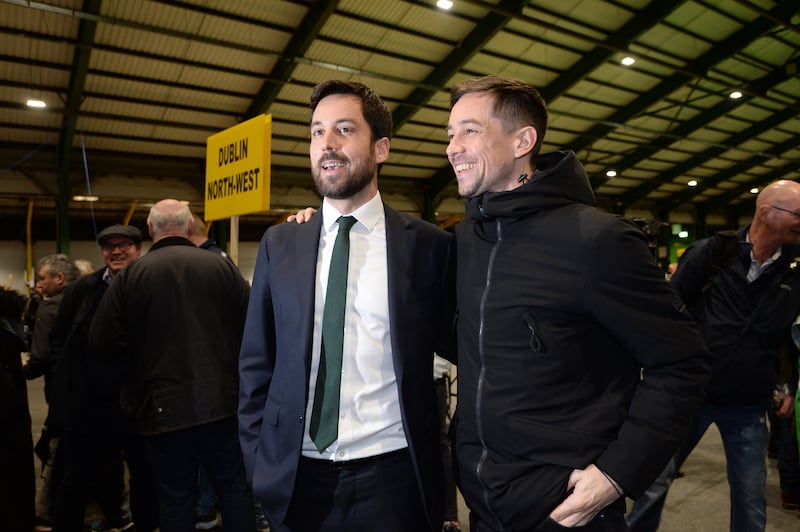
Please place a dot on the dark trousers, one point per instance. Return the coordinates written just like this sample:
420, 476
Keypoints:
361, 496
174, 456
143, 495
610, 519
93, 466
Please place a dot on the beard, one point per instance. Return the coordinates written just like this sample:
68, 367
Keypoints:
360, 176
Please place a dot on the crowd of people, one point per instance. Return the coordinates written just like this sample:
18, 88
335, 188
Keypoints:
585, 377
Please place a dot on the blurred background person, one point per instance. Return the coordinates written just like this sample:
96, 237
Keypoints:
17, 480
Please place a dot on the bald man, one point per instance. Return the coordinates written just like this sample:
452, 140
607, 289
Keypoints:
177, 315
744, 292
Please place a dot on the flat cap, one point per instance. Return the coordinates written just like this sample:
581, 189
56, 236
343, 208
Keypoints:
127, 231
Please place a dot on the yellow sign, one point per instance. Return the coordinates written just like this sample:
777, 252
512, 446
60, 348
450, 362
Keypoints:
237, 169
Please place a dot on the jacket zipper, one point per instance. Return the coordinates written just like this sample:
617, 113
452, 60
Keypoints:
479, 392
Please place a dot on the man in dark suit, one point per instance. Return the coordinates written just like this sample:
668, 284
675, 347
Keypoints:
381, 468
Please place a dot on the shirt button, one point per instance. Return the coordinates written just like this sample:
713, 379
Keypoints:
341, 454
342, 415
159, 410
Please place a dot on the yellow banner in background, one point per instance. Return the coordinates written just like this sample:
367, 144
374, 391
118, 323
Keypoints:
238, 169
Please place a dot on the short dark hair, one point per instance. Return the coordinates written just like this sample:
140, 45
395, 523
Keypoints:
516, 104
376, 112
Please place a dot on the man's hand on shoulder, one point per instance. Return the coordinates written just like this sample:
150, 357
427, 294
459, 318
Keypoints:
592, 491
302, 216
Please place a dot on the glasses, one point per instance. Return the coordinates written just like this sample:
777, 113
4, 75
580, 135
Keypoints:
123, 246
786, 210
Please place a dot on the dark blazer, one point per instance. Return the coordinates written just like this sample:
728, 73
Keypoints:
275, 360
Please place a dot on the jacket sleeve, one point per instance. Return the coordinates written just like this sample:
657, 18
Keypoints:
40, 359
256, 359
628, 295
694, 269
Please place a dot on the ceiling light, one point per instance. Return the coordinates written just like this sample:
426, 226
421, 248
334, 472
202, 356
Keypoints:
444, 4
628, 60
754, 190
692, 183
35, 102
85, 198
735, 95
611, 173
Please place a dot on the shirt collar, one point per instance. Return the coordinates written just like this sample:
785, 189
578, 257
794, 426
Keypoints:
367, 215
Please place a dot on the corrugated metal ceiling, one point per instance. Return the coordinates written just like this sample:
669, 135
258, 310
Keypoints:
146, 82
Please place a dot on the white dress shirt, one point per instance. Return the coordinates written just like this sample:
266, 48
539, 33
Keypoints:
369, 406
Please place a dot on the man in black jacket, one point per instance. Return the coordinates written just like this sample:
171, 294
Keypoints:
176, 317
745, 302
86, 387
578, 370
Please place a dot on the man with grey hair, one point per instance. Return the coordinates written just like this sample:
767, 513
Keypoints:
176, 317
53, 274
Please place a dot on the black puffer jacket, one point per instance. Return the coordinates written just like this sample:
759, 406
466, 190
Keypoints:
742, 323
561, 307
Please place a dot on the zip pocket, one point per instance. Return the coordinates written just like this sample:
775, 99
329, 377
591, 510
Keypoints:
535, 342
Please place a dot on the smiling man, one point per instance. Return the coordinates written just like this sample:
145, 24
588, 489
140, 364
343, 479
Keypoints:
578, 371
88, 392
337, 409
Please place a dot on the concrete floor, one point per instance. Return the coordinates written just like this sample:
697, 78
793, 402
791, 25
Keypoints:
697, 502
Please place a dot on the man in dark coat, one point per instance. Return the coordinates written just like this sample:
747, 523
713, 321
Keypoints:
578, 369
176, 316
745, 296
87, 387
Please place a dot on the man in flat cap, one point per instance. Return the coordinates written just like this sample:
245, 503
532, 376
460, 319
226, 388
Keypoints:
88, 388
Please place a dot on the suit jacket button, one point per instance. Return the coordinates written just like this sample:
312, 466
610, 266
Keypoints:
301, 419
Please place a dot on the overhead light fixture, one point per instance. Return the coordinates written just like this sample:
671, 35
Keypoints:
611, 173
36, 103
444, 4
735, 95
628, 60
754, 190
692, 183
683, 234
85, 198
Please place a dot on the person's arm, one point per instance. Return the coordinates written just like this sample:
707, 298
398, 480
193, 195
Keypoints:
627, 294
39, 362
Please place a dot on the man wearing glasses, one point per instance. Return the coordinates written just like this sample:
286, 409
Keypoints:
744, 292
88, 393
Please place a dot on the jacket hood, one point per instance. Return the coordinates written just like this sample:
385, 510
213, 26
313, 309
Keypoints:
559, 179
